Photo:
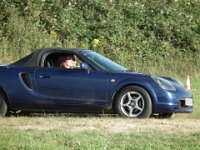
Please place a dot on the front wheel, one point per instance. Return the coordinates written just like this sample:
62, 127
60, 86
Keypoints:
165, 115
3, 105
133, 102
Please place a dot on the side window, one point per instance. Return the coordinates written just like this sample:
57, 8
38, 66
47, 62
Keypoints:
62, 60
51, 61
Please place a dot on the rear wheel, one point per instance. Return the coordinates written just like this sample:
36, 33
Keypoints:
133, 102
3, 105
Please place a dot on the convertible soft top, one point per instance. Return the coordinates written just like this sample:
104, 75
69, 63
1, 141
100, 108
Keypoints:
33, 60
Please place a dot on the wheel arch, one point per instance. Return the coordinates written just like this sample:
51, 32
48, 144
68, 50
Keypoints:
127, 85
2, 91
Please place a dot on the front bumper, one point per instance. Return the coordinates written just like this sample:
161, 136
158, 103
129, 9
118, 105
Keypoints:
184, 105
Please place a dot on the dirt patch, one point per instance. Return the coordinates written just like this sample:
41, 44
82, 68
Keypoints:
101, 124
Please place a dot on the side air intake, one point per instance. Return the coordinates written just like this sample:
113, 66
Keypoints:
26, 79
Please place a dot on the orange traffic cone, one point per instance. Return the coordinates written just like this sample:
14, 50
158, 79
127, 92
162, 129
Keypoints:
187, 84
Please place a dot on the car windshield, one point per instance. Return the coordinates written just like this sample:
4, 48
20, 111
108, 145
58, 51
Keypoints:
103, 62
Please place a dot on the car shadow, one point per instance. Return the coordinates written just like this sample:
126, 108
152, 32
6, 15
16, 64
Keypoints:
78, 115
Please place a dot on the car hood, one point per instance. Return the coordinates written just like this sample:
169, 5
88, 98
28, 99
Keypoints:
136, 73
170, 79
149, 75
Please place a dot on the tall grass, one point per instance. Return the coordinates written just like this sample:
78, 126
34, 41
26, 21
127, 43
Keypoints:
158, 37
149, 36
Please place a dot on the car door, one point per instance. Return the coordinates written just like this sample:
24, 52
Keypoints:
66, 87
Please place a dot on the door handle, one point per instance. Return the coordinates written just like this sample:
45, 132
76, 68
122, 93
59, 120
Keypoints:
44, 76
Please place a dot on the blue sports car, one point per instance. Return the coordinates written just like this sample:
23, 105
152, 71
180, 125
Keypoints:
38, 83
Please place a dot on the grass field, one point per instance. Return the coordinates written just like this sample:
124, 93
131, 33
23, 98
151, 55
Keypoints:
102, 132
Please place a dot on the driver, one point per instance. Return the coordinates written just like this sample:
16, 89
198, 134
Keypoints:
67, 61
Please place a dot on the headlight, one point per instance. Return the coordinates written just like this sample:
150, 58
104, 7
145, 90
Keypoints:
164, 84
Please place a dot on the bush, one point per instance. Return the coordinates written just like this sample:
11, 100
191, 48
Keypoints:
149, 36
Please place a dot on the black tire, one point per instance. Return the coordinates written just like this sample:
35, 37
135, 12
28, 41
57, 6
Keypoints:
165, 115
133, 102
25, 113
3, 105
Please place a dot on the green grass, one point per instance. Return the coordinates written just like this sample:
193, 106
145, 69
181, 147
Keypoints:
62, 139
195, 85
68, 135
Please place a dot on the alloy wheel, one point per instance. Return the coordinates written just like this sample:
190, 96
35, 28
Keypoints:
132, 104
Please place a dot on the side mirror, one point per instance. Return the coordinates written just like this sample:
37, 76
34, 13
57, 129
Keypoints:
84, 66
